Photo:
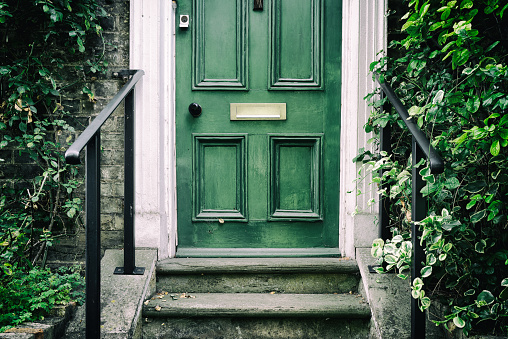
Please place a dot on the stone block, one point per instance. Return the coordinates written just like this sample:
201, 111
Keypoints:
112, 222
112, 173
112, 157
111, 205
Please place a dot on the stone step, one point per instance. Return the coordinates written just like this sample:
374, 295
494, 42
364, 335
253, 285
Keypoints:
253, 315
256, 305
258, 275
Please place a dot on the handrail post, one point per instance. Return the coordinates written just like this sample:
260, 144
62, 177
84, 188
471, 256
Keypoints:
93, 238
385, 146
129, 251
418, 213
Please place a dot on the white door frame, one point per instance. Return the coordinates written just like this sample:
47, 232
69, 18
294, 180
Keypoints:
152, 32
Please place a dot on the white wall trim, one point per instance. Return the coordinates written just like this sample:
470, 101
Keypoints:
364, 30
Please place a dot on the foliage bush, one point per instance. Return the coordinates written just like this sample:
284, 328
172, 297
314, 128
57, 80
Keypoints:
40, 41
450, 69
31, 296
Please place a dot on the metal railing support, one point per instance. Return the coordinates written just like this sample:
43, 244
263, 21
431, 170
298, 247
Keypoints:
384, 218
93, 238
418, 213
421, 149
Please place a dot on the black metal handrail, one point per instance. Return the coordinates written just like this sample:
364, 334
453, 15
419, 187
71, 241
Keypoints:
421, 148
90, 138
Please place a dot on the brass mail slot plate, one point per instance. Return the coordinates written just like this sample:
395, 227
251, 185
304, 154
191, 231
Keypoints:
258, 111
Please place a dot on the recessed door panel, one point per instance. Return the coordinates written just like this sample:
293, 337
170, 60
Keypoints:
219, 177
295, 173
296, 44
219, 41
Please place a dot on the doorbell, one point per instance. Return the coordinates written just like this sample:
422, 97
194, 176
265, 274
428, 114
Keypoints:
184, 21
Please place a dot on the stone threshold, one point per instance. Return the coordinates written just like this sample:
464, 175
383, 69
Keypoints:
257, 265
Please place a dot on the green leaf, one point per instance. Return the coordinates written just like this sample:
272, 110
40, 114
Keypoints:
451, 225
478, 216
447, 247
80, 44
504, 294
459, 322
22, 127
71, 213
431, 259
452, 183
460, 57
436, 25
391, 259
480, 246
495, 148
473, 104
502, 11
446, 13
485, 298
475, 187
466, 4
504, 282
424, 10
426, 271
469, 292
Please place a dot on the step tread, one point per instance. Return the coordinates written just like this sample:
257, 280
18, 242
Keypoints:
257, 265
257, 305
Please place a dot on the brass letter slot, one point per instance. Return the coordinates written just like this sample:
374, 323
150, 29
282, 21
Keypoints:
258, 111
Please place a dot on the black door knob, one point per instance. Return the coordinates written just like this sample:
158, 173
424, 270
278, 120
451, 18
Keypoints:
195, 110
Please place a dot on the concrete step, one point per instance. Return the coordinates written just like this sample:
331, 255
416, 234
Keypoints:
258, 275
253, 315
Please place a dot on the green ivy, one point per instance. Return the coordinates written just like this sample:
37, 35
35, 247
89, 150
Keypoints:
40, 40
450, 69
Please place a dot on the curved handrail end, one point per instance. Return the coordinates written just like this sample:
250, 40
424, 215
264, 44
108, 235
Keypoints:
72, 157
436, 166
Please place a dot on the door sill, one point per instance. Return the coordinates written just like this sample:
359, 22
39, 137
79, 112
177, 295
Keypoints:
202, 252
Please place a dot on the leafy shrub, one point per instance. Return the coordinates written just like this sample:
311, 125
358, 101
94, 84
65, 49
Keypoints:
31, 297
40, 41
450, 69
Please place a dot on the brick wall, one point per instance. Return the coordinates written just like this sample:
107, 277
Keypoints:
71, 246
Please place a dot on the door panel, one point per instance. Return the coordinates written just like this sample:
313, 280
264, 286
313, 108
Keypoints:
296, 26
219, 39
219, 177
259, 167
295, 172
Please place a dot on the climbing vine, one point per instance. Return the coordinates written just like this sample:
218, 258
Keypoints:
449, 66
44, 56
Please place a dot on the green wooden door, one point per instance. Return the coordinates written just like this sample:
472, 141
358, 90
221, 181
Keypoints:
258, 169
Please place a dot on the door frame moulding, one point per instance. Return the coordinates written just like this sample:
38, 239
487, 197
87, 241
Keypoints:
152, 34
151, 41
364, 29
